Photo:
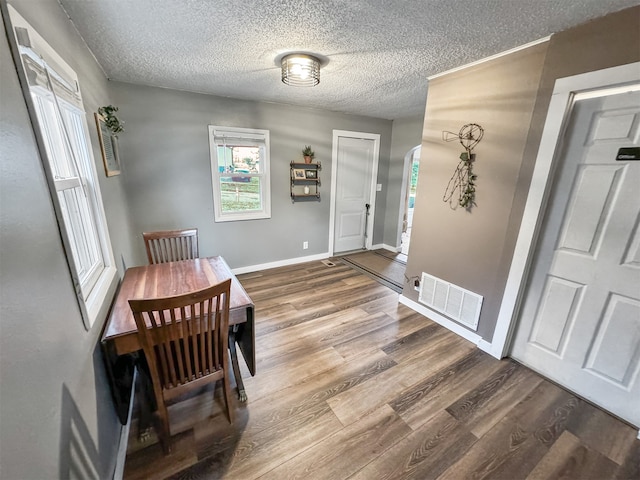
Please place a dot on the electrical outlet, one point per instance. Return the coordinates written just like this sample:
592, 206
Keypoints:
305, 245
416, 284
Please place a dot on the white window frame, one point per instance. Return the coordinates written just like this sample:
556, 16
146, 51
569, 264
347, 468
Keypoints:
261, 136
69, 164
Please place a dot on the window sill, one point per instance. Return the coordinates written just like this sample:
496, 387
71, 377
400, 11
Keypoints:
238, 217
99, 301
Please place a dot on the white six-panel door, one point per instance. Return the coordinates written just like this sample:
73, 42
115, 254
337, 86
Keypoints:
356, 158
580, 318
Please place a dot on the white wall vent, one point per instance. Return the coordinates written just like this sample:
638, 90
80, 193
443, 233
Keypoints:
455, 302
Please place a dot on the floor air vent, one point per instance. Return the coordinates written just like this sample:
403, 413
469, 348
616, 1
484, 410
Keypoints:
455, 302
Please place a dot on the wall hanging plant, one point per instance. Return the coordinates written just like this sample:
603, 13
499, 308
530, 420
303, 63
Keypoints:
108, 128
462, 181
111, 121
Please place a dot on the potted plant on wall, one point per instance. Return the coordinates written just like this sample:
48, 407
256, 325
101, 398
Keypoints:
110, 119
308, 154
109, 126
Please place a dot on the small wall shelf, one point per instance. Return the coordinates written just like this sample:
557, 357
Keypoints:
305, 175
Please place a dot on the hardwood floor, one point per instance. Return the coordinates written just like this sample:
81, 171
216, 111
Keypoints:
351, 384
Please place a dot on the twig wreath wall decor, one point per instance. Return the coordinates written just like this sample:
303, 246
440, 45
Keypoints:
463, 179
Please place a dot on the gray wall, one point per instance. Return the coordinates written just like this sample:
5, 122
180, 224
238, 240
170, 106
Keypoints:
167, 172
53, 395
407, 134
509, 97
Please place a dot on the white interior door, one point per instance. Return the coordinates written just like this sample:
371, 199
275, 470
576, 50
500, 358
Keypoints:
355, 161
580, 317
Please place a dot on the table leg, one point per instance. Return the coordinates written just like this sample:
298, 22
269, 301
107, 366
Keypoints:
242, 395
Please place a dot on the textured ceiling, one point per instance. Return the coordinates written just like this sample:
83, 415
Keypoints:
377, 53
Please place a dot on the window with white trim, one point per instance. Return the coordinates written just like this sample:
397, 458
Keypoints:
240, 173
69, 164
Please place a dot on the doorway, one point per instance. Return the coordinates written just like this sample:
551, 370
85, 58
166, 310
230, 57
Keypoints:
408, 197
353, 190
580, 315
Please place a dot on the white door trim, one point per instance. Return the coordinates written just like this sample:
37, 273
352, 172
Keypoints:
554, 127
408, 160
334, 179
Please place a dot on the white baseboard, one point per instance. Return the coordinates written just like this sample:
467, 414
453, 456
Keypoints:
448, 324
386, 247
293, 261
279, 263
489, 348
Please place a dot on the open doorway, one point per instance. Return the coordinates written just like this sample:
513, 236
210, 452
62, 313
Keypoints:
410, 184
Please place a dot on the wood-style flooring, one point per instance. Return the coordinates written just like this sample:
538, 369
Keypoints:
351, 384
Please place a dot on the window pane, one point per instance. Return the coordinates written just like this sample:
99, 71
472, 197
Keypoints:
82, 236
75, 203
241, 196
73, 120
247, 158
234, 159
56, 150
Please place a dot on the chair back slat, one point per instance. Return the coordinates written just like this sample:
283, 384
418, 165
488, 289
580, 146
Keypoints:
178, 367
184, 337
210, 340
202, 350
169, 346
171, 245
163, 347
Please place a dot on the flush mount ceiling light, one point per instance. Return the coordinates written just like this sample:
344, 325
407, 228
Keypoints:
300, 70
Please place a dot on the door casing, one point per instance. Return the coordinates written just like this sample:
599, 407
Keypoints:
404, 192
334, 179
576, 324
550, 146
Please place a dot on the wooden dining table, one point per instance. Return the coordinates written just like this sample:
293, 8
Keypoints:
120, 336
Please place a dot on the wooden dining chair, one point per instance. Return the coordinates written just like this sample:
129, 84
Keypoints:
185, 339
171, 245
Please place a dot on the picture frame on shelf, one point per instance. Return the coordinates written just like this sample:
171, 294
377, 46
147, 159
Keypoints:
299, 174
108, 147
311, 174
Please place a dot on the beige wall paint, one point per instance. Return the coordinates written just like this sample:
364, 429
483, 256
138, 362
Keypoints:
606, 42
406, 134
474, 250
463, 247
602, 43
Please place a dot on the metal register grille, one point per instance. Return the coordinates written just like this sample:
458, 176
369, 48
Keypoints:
455, 302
